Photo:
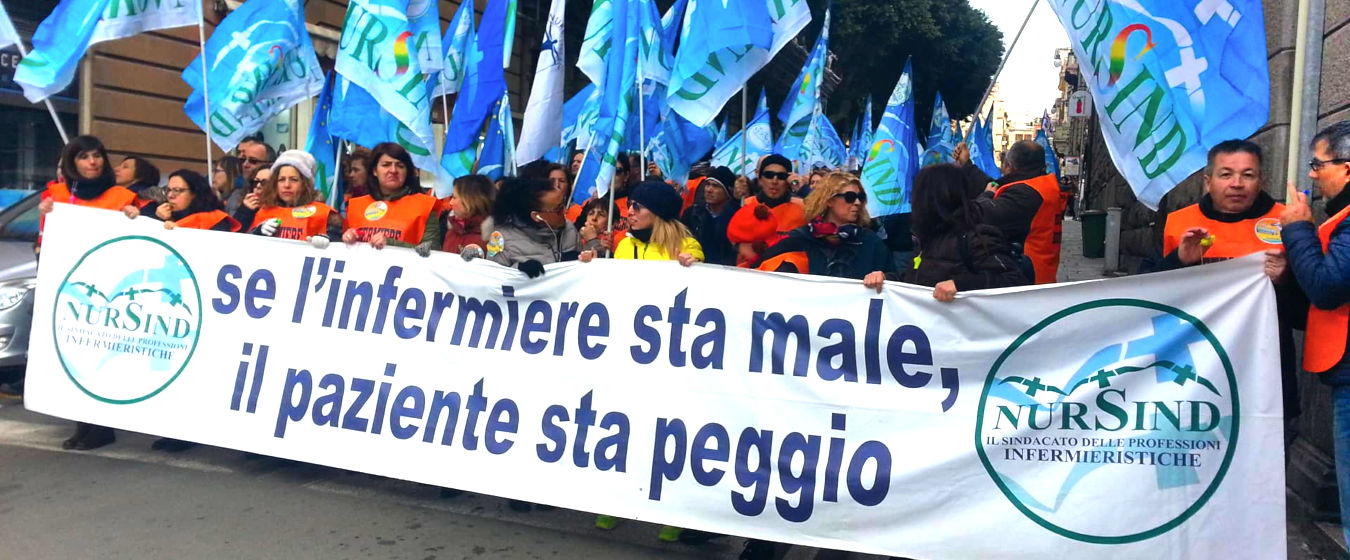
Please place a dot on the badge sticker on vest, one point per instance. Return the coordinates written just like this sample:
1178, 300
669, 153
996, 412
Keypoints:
376, 211
303, 212
495, 244
1268, 230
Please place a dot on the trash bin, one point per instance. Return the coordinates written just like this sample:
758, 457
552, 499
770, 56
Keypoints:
1094, 233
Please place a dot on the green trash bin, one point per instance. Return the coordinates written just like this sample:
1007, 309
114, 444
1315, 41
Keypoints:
1094, 233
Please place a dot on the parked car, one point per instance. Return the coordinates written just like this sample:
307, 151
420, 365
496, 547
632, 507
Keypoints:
18, 276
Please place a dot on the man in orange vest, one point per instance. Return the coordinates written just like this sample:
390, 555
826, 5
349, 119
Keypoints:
1319, 257
1026, 205
1235, 219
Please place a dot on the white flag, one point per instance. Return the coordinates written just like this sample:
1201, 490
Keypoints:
8, 36
542, 127
122, 18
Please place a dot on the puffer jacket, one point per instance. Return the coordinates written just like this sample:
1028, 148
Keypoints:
633, 248
511, 243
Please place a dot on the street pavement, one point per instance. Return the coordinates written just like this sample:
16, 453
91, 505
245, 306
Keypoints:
127, 501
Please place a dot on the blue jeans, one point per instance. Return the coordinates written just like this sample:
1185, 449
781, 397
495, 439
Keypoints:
1340, 401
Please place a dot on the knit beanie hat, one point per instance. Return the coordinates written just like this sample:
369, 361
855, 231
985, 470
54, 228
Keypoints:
724, 176
752, 224
299, 159
775, 159
658, 197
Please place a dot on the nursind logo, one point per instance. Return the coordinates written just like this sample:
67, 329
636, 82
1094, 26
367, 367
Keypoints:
127, 319
1112, 439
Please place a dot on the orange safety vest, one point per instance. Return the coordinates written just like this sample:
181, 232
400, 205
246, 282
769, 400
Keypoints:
1047, 227
115, 198
297, 222
207, 220
404, 219
1231, 239
1324, 341
795, 258
791, 214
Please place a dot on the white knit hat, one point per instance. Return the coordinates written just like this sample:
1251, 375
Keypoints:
299, 159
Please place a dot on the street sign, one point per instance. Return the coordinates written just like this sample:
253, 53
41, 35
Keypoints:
1072, 166
1080, 104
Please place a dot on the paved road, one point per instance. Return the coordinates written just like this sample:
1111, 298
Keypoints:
126, 501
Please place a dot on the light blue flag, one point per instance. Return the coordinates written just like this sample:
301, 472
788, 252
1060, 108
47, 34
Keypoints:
868, 129
982, 145
259, 62
58, 45
758, 135
358, 118
822, 145
497, 159
509, 35
892, 162
679, 145
320, 144
8, 35
941, 139
484, 85
1187, 76
64, 36
615, 83
803, 100
379, 52
1051, 160
723, 44
572, 117
721, 137
454, 49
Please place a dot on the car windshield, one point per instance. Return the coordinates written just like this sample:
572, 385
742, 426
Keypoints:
20, 222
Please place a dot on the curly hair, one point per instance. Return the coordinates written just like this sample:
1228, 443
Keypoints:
270, 198
517, 198
818, 202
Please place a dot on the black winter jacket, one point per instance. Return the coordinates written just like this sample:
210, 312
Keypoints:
977, 260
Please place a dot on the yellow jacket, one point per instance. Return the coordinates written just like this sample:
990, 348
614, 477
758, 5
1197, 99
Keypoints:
632, 248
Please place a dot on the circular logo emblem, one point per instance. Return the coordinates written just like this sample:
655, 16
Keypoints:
1268, 230
1112, 439
302, 212
127, 319
376, 210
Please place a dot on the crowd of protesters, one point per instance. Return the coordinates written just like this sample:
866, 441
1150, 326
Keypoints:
966, 231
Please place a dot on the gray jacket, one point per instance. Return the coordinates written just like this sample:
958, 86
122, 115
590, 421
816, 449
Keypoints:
511, 244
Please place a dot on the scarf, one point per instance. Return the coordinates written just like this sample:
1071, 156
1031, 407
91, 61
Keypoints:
89, 189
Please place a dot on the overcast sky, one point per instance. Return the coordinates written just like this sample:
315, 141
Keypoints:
1030, 82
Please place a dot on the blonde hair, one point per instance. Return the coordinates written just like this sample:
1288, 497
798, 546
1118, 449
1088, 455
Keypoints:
818, 202
669, 235
269, 195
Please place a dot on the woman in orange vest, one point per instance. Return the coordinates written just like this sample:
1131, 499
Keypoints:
192, 203
396, 212
288, 206
87, 181
140, 176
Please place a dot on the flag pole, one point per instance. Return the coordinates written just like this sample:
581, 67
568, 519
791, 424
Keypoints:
445, 114
206, 93
1006, 56
334, 198
642, 121
744, 155
65, 139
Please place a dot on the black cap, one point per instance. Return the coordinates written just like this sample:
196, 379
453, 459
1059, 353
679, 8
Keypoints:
658, 197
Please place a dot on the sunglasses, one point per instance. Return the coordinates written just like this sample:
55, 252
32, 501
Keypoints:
1315, 164
635, 207
781, 176
256, 161
851, 197
258, 182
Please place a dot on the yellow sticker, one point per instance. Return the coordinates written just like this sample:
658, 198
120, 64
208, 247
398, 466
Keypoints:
495, 244
376, 211
303, 212
1268, 230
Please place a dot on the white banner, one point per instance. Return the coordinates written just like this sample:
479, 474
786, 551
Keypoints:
124, 18
1133, 418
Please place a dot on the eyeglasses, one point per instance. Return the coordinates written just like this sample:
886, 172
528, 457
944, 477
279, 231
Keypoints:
781, 176
851, 197
176, 192
1315, 164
